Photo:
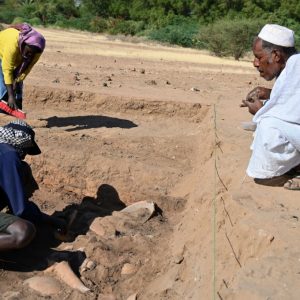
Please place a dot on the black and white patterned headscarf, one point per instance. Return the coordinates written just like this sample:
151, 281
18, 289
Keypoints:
21, 136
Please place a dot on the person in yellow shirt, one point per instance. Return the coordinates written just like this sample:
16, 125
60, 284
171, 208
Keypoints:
20, 48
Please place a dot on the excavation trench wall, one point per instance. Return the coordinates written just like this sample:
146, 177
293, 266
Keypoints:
142, 148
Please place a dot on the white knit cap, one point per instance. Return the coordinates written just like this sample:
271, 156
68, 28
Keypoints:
277, 35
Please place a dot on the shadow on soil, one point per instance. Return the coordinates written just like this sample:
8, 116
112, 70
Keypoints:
88, 122
39, 255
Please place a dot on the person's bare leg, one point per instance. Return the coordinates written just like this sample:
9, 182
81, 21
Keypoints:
18, 235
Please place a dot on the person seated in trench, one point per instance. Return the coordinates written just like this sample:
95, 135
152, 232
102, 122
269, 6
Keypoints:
17, 227
276, 146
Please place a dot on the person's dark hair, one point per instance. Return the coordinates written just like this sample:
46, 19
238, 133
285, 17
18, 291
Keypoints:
286, 51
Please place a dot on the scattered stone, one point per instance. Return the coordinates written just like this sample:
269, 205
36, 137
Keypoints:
105, 84
142, 71
194, 89
45, 285
92, 239
151, 82
128, 269
81, 249
76, 78
68, 248
69, 65
178, 259
97, 227
133, 70
132, 297
56, 80
102, 273
107, 297
149, 206
10, 295
87, 265
65, 273
91, 265
168, 82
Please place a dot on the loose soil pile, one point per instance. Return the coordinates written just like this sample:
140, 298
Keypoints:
120, 123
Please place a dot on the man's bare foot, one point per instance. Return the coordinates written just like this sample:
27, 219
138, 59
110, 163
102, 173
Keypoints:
293, 184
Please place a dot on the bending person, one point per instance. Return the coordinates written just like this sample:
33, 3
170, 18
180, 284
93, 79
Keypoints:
20, 48
276, 145
16, 141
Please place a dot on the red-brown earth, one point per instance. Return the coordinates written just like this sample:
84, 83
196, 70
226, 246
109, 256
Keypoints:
120, 122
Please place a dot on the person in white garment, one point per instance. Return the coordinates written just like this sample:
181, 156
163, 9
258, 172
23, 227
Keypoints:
276, 144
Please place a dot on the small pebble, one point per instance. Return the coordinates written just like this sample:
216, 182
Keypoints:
194, 89
132, 297
128, 269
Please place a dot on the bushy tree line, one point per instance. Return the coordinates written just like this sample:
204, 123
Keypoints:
226, 27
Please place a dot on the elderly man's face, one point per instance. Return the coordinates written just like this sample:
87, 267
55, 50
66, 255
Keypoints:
265, 62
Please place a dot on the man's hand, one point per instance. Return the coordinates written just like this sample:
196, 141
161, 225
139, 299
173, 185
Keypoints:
12, 103
254, 99
258, 93
253, 105
11, 98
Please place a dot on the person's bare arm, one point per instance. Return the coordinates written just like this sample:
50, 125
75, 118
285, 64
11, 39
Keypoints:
11, 98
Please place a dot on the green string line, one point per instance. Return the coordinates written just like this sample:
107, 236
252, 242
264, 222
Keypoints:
214, 210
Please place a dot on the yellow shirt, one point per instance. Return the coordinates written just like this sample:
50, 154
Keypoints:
11, 57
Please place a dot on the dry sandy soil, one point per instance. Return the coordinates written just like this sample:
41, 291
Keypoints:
122, 122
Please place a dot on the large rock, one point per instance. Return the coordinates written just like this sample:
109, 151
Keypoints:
103, 226
64, 272
142, 211
45, 285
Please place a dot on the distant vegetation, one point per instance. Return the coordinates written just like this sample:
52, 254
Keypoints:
225, 27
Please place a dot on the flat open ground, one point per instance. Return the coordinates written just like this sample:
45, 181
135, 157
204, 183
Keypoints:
122, 122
